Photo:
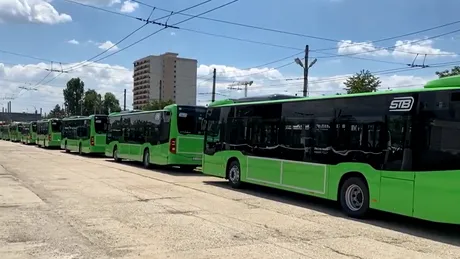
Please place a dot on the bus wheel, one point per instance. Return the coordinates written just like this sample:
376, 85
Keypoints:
65, 148
146, 159
354, 197
234, 174
115, 155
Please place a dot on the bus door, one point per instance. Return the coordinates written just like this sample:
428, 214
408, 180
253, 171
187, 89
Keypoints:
397, 177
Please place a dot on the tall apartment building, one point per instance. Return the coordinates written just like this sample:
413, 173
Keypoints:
164, 77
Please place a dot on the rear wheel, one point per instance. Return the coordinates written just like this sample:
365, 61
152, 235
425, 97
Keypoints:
115, 155
146, 159
354, 197
234, 174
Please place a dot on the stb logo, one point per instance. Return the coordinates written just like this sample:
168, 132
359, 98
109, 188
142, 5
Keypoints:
402, 104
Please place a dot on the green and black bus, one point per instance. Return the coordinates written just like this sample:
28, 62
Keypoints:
84, 134
29, 133
15, 131
49, 133
394, 151
5, 132
172, 136
25, 131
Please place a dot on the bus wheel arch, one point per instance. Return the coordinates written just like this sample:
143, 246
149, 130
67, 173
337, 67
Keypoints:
233, 172
353, 194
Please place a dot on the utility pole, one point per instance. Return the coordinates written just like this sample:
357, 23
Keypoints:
305, 72
213, 86
306, 66
124, 100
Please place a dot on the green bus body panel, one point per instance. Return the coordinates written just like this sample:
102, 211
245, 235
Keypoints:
437, 196
426, 195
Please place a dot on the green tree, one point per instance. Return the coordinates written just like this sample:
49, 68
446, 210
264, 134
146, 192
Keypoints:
92, 102
156, 105
56, 112
453, 72
110, 103
362, 82
73, 94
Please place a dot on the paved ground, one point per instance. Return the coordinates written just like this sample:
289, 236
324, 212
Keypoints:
57, 205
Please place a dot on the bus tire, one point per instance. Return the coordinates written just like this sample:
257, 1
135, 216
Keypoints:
65, 148
354, 197
115, 155
234, 174
146, 159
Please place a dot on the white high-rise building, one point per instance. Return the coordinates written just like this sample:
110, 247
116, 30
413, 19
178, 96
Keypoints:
164, 77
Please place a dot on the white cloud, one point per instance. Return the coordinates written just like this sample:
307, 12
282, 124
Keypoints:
31, 11
405, 47
101, 77
365, 48
107, 45
173, 33
75, 42
129, 7
402, 48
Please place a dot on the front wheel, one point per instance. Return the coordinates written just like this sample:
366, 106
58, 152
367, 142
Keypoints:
234, 174
354, 197
146, 159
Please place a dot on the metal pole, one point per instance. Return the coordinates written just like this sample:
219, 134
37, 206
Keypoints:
213, 86
305, 72
124, 101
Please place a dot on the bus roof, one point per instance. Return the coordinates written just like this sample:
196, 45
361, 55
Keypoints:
131, 112
83, 117
446, 83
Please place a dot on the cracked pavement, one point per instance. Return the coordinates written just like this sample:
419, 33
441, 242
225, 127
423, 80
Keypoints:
57, 205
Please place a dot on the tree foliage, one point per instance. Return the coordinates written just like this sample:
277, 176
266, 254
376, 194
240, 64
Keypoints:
79, 102
73, 94
92, 102
362, 82
56, 112
156, 105
110, 104
453, 72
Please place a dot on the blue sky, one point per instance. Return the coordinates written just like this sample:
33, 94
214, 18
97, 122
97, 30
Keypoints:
354, 21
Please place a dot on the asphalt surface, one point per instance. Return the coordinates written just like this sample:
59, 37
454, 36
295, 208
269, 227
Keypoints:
58, 205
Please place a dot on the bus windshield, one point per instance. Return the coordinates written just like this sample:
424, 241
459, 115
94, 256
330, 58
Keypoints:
34, 127
56, 126
189, 119
100, 125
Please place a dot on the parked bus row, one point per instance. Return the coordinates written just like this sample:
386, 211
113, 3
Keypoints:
393, 151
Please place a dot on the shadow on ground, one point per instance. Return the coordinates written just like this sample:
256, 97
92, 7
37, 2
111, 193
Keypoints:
445, 233
170, 170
